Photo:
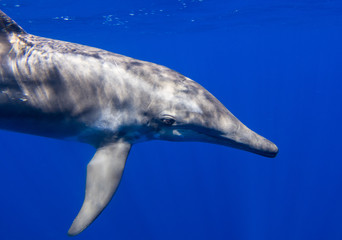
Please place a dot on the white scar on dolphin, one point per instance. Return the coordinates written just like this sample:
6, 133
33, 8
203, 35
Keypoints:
67, 91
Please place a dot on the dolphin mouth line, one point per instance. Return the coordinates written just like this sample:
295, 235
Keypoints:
245, 142
270, 152
265, 147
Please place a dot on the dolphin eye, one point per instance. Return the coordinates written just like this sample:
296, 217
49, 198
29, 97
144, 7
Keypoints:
168, 121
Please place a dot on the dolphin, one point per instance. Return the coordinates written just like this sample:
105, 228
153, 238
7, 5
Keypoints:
69, 91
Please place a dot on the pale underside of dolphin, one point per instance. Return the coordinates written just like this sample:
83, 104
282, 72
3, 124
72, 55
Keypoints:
68, 91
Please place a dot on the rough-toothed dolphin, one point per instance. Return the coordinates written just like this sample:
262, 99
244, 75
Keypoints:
64, 90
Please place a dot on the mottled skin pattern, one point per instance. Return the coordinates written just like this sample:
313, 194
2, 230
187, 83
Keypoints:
69, 91
75, 83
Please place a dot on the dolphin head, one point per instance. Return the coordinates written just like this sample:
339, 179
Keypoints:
188, 112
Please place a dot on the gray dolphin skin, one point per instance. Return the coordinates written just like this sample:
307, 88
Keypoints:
69, 91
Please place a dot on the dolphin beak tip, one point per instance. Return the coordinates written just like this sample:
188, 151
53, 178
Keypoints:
272, 151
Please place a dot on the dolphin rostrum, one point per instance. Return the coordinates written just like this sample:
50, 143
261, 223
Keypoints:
68, 91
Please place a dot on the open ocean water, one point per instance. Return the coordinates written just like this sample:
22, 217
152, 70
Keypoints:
275, 64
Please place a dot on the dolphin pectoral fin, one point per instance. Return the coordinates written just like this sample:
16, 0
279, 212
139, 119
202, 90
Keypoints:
104, 172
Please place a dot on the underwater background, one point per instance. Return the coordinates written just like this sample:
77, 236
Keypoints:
275, 64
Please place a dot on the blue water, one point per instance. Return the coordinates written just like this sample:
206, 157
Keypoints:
276, 65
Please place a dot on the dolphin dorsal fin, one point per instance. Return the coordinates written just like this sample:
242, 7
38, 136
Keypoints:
7, 25
104, 172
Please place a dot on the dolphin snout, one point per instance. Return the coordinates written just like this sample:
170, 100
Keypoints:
262, 146
248, 140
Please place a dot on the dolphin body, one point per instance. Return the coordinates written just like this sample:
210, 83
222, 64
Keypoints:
67, 91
